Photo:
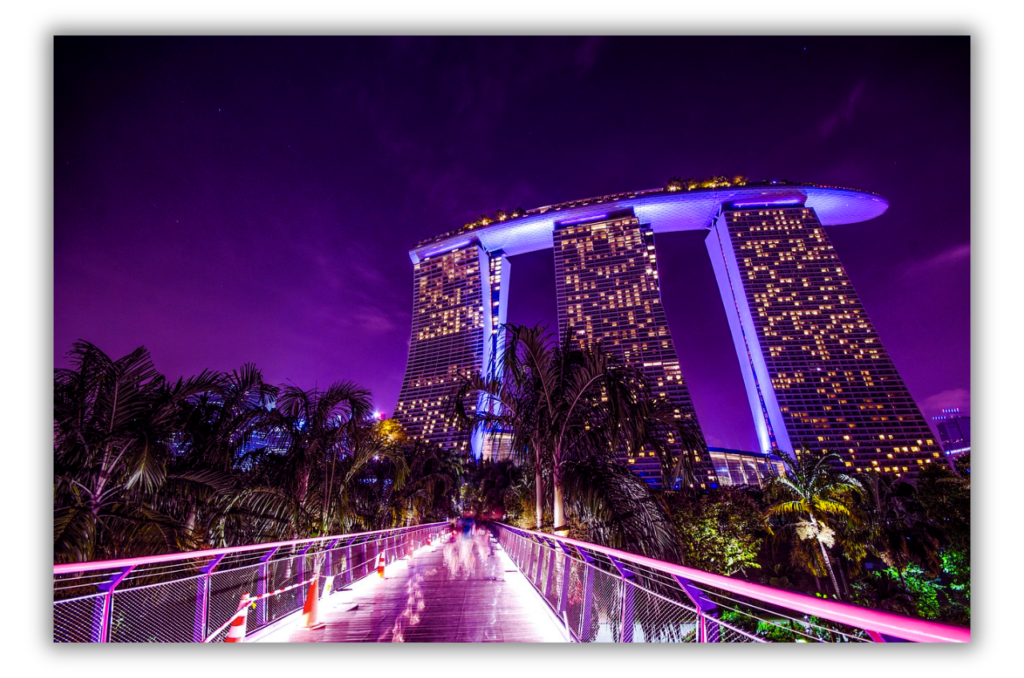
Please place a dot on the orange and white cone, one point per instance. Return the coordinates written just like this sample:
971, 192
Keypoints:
236, 632
311, 610
428, 540
380, 565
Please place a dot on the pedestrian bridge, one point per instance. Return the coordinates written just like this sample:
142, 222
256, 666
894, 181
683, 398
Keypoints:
429, 583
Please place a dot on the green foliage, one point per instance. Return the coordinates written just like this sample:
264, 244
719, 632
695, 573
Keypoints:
910, 592
720, 532
501, 490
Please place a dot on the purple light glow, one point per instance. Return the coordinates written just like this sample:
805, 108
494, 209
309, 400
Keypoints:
232, 200
767, 203
593, 217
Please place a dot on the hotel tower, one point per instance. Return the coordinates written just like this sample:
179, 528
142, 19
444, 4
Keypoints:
456, 316
606, 283
816, 374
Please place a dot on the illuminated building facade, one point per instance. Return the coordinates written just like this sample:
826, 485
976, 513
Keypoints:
954, 431
606, 282
457, 306
740, 467
816, 373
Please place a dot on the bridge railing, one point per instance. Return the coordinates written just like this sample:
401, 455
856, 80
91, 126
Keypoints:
603, 594
181, 597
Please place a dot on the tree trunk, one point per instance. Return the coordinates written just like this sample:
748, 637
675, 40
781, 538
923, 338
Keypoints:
842, 575
560, 527
540, 497
190, 522
828, 563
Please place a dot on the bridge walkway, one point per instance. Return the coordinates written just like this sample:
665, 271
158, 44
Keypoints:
464, 590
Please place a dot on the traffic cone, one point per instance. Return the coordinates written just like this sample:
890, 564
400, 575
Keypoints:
236, 632
311, 609
328, 585
428, 540
380, 565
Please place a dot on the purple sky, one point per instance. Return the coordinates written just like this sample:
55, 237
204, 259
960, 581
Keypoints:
224, 201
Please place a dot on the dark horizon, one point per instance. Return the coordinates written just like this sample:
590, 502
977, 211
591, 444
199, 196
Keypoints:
233, 200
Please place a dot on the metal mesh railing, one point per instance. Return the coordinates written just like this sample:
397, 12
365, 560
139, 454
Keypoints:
76, 615
605, 595
171, 613
184, 597
226, 590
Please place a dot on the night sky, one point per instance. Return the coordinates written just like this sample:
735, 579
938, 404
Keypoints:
224, 201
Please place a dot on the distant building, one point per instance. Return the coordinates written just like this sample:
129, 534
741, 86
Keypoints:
954, 431
740, 467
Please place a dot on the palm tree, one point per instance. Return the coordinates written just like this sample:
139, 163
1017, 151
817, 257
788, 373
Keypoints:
313, 424
812, 494
574, 408
512, 404
217, 428
898, 530
114, 425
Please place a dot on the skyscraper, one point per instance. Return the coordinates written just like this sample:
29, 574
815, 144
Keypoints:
606, 285
954, 431
457, 305
816, 372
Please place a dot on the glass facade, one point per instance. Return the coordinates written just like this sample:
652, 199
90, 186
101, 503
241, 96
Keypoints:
739, 467
457, 299
816, 372
606, 283
954, 431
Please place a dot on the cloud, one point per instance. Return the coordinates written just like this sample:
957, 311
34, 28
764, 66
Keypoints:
586, 55
953, 255
831, 123
955, 397
947, 257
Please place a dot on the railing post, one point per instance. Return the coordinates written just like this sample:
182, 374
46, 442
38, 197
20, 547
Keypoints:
551, 572
199, 627
329, 559
588, 594
707, 630
529, 562
301, 571
261, 586
563, 598
104, 604
883, 637
628, 593
346, 571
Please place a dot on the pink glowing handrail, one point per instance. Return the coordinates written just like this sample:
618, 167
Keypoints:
93, 565
907, 628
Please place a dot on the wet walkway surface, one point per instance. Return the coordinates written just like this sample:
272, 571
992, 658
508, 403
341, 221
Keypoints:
466, 590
